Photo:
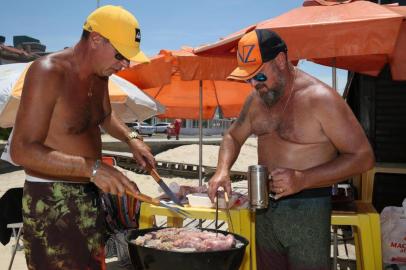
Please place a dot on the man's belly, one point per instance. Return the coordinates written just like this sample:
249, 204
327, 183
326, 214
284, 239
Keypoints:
275, 152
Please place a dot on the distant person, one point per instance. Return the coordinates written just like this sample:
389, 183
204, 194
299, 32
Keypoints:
308, 138
57, 140
177, 126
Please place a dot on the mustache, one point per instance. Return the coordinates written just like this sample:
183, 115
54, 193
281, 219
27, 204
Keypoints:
259, 86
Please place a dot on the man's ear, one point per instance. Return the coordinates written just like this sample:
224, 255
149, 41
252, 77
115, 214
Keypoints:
280, 60
95, 39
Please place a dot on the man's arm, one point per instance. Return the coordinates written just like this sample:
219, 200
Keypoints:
42, 85
355, 154
229, 150
119, 130
40, 94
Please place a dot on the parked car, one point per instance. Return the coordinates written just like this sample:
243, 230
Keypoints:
161, 127
142, 128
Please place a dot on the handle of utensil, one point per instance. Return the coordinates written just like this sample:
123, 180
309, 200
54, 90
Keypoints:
153, 173
226, 199
144, 198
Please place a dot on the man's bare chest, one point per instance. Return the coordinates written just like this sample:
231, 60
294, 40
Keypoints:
76, 113
293, 126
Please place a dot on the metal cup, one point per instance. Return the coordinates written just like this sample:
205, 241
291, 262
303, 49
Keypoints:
258, 186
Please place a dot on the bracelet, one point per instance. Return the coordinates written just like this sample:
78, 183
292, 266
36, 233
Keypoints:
95, 167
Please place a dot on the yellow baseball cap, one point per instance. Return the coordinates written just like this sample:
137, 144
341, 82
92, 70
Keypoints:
254, 49
120, 27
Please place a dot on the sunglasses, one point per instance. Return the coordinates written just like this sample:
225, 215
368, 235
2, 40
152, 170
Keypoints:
120, 57
260, 77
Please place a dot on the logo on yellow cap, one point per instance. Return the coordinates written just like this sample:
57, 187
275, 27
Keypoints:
137, 35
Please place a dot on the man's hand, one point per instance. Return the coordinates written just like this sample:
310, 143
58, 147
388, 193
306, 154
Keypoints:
219, 180
142, 153
111, 180
286, 182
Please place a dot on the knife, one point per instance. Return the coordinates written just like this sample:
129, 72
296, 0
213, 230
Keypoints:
164, 187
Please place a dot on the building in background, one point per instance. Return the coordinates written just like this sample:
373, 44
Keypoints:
24, 49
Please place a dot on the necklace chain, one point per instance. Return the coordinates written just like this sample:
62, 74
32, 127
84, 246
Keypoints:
291, 90
90, 90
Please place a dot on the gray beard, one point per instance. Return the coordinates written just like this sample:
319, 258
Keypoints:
272, 95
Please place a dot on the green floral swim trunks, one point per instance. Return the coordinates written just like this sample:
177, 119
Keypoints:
63, 226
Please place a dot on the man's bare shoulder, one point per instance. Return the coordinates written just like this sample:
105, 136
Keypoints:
314, 91
55, 64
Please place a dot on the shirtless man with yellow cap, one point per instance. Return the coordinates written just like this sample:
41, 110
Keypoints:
308, 138
57, 140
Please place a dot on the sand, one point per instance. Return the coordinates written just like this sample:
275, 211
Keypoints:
189, 154
185, 154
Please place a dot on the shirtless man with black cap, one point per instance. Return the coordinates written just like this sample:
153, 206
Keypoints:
308, 138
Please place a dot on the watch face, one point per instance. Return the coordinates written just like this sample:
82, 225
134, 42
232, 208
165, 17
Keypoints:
134, 135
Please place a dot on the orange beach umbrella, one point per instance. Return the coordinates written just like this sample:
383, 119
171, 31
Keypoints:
173, 78
360, 36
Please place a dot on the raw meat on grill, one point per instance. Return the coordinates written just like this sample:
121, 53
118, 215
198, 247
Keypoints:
186, 239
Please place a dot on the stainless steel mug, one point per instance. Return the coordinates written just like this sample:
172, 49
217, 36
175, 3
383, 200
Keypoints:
258, 186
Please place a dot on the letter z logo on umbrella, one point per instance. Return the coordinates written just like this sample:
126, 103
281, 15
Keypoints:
244, 54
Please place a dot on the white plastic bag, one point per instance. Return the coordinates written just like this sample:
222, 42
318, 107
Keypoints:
393, 226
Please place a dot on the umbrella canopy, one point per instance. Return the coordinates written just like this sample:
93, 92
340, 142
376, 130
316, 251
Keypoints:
127, 100
130, 103
173, 78
360, 36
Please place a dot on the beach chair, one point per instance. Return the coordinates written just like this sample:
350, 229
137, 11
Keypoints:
19, 227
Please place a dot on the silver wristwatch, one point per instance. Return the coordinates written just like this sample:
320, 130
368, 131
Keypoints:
95, 167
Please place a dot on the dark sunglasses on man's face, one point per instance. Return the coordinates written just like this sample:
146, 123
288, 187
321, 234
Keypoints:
260, 77
120, 57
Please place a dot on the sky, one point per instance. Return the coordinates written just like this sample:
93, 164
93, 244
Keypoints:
165, 24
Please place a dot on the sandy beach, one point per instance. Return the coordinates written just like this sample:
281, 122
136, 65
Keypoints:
187, 154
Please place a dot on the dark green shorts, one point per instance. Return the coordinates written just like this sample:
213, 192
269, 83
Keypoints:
63, 226
294, 234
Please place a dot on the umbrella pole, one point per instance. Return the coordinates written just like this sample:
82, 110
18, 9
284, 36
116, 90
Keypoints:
200, 132
335, 186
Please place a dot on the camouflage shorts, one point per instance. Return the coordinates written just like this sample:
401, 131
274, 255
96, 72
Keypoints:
63, 226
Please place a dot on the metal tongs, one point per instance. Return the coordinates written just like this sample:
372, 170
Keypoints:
147, 199
230, 222
216, 199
